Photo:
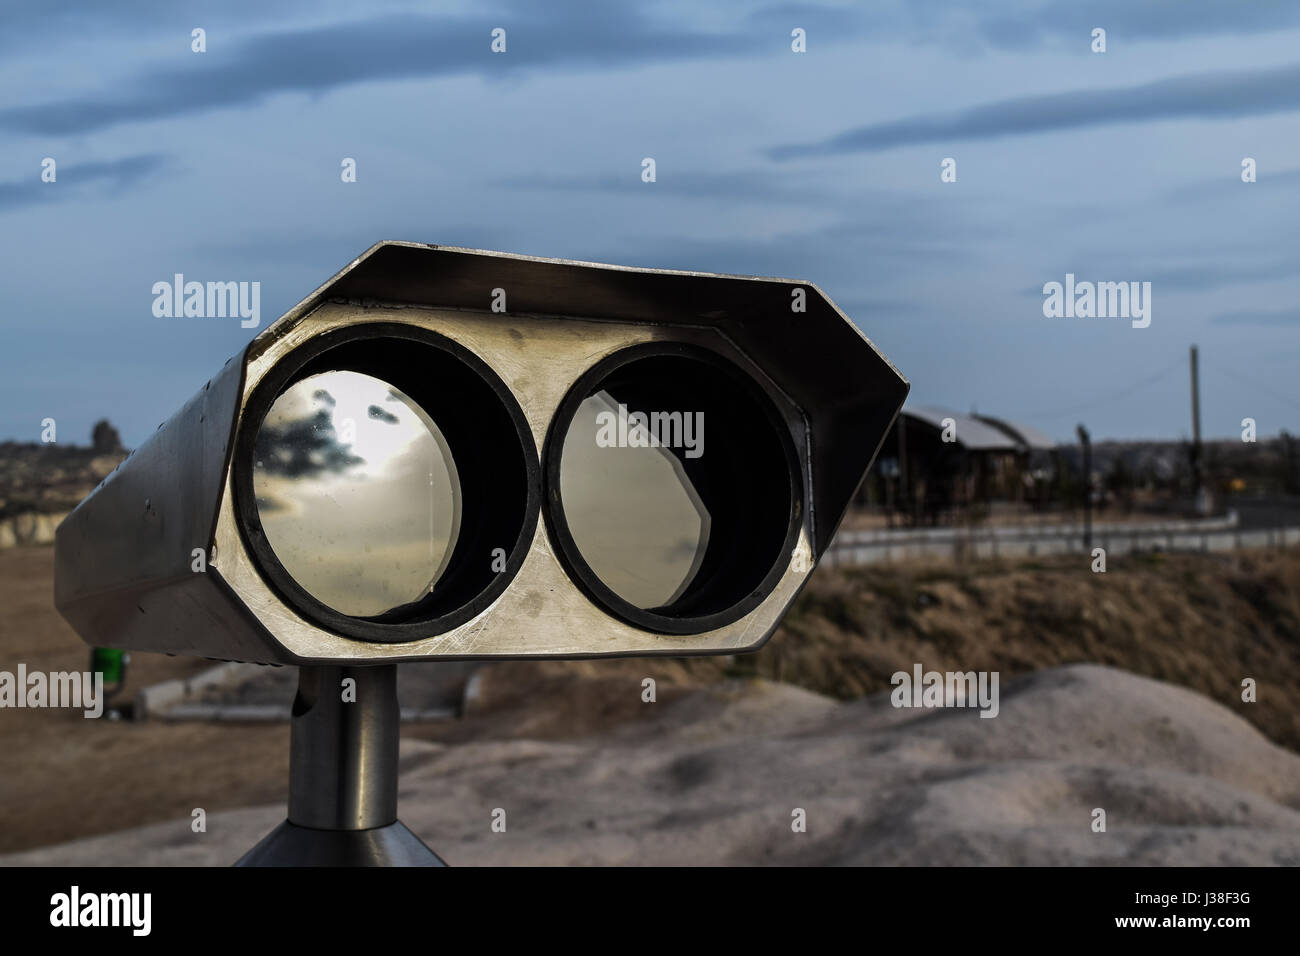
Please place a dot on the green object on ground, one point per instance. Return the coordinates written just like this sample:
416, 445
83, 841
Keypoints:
109, 661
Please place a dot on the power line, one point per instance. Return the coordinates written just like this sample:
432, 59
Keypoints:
1254, 383
1179, 363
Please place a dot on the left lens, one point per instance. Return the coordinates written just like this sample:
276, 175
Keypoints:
386, 482
357, 492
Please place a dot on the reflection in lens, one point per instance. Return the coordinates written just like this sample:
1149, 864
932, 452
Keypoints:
662, 527
357, 492
633, 512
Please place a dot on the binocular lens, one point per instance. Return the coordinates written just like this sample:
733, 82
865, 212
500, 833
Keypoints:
674, 491
636, 515
385, 482
357, 492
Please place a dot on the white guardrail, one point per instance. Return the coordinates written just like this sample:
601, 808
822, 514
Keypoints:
955, 544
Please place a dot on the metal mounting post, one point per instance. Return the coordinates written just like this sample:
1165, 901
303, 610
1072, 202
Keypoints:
343, 776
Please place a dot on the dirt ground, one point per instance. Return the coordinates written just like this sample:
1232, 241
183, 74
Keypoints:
1201, 621
63, 776
718, 776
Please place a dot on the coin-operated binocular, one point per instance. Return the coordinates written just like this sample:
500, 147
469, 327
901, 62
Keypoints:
451, 454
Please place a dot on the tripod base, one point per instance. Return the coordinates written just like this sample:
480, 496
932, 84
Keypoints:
292, 845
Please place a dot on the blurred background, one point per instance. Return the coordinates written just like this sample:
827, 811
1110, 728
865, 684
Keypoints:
1026, 443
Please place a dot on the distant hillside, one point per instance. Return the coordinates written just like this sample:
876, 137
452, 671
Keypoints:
1268, 466
39, 484
1203, 621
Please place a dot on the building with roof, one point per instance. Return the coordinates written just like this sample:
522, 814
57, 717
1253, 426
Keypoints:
936, 461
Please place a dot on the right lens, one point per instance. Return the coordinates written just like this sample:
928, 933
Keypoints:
633, 510
672, 488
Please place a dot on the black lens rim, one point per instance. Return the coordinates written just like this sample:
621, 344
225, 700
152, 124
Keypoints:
566, 548
424, 618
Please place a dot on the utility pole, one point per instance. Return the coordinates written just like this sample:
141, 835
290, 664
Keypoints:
1086, 441
1196, 428
904, 497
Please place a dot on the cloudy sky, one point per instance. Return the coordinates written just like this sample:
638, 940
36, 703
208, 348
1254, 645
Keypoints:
1115, 166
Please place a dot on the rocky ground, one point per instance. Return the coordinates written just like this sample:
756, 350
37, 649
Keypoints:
719, 776
710, 773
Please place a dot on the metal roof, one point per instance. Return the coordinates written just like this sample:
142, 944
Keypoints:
971, 432
1025, 435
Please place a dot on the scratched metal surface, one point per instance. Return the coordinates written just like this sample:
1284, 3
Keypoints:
123, 575
542, 613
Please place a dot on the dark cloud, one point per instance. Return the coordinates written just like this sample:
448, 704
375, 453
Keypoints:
1200, 96
112, 176
42, 25
822, 23
1008, 25
1229, 185
866, 258
585, 34
1027, 24
1125, 20
315, 250
752, 185
876, 232
1218, 272
864, 307
1195, 275
1283, 317
319, 59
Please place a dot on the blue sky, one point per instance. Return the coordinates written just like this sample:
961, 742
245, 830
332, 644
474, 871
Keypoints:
1115, 166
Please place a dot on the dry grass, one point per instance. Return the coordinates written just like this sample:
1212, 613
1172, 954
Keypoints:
1202, 621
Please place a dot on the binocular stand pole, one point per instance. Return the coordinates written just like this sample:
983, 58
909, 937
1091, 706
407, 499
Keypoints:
343, 776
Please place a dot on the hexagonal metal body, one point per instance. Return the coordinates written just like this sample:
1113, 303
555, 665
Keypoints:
124, 557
